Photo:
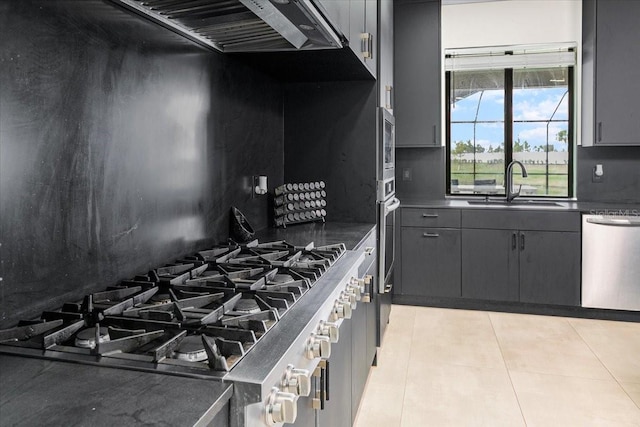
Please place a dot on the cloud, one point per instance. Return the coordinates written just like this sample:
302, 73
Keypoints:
538, 135
530, 109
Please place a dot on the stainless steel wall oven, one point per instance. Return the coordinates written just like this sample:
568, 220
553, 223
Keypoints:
387, 205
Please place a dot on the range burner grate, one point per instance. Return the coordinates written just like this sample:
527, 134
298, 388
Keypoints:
202, 313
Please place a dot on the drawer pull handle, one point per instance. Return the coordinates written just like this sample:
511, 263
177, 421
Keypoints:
425, 215
430, 235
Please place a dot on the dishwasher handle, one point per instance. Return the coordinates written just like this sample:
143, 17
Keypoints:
616, 222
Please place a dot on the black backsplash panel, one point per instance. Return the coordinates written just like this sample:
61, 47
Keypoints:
425, 173
122, 146
330, 135
621, 181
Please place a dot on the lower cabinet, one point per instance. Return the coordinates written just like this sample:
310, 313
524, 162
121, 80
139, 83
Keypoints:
493, 255
489, 265
550, 267
337, 405
431, 262
527, 266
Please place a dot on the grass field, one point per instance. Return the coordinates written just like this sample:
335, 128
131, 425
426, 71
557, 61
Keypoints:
558, 176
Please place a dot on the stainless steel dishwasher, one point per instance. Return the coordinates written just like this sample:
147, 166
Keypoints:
611, 262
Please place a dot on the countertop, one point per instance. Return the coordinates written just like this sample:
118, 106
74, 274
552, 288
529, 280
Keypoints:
43, 392
350, 233
599, 208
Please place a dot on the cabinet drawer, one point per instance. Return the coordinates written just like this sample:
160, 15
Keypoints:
427, 217
521, 220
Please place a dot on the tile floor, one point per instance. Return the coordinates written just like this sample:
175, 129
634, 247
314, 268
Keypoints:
443, 367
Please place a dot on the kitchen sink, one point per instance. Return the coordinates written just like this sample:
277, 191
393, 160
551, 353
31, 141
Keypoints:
502, 202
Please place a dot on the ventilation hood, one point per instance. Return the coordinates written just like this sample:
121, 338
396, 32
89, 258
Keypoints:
243, 25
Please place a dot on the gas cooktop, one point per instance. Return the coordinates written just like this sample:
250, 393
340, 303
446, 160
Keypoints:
198, 316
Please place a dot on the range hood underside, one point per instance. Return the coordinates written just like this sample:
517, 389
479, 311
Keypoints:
242, 25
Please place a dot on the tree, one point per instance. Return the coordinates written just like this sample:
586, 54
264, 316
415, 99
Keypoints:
562, 136
517, 146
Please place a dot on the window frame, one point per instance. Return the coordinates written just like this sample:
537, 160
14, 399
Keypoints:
508, 132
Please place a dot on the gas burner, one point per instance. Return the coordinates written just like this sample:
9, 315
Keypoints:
281, 278
247, 305
86, 338
191, 349
160, 299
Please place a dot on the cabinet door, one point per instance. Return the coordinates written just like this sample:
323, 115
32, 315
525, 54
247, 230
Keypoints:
385, 56
490, 264
617, 87
363, 18
550, 267
338, 14
359, 366
431, 262
337, 408
417, 73
371, 27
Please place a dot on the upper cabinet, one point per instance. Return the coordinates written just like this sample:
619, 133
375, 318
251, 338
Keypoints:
357, 20
385, 43
611, 83
417, 73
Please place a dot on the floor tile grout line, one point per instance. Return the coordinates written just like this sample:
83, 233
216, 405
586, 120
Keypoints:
515, 393
406, 373
603, 363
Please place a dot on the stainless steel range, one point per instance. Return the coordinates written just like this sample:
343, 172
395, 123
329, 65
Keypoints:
260, 315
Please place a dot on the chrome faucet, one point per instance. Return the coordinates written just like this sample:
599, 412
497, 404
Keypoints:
509, 180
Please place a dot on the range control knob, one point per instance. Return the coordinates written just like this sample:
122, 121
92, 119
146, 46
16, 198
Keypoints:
341, 310
359, 283
296, 381
355, 289
318, 346
329, 329
348, 298
281, 407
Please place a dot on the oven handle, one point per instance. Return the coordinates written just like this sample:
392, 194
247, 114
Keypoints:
391, 205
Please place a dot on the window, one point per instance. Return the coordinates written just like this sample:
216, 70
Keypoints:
522, 110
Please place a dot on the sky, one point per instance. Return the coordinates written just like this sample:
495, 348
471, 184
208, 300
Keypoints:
528, 104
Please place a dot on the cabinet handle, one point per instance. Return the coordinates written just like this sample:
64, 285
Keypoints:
366, 45
522, 242
430, 235
389, 97
514, 239
326, 380
599, 131
434, 135
426, 215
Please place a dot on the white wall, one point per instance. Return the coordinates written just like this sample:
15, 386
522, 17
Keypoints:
498, 23
511, 22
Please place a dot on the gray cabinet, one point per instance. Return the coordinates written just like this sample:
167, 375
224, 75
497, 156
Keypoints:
359, 369
531, 257
611, 83
431, 262
550, 267
385, 57
363, 31
355, 19
337, 406
417, 73
489, 264
430, 252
